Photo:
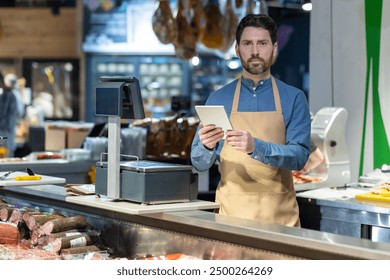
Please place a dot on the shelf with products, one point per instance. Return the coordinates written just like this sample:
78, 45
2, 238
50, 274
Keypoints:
211, 73
163, 78
160, 77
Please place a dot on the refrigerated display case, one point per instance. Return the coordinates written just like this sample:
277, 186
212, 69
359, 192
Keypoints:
197, 233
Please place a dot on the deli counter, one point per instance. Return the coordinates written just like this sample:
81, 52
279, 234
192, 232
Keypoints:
200, 233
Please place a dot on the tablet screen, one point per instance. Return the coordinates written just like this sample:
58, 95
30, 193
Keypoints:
214, 114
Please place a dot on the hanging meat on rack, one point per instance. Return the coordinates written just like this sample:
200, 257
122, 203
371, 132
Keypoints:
198, 22
213, 37
238, 3
250, 7
185, 44
228, 27
163, 23
257, 7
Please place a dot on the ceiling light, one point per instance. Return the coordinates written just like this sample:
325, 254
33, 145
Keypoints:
307, 6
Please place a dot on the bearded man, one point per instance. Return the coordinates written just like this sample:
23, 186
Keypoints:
271, 135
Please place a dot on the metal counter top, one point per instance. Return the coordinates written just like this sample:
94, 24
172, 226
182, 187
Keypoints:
285, 241
343, 198
336, 210
75, 172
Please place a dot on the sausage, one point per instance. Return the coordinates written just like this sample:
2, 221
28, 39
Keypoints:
80, 250
5, 212
45, 239
33, 219
9, 233
74, 241
23, 252
17, 214
64, 224
35, 234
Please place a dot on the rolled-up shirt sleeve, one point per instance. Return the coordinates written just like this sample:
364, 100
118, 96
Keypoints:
201, 157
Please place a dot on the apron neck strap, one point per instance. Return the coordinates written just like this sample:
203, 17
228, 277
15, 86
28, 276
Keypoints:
275, 90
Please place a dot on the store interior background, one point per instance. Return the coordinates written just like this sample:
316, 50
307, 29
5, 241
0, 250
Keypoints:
322, 52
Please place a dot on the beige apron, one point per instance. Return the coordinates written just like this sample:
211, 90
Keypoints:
248, 188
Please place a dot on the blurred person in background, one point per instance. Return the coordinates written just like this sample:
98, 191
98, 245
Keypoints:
8, 116
11, 82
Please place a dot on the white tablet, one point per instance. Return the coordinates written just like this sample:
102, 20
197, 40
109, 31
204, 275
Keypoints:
214, 114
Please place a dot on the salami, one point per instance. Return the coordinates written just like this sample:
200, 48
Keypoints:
45, 239
17, 214
74, 241
35, 234
5, 212
80, 250
64, 224
34, 219
9, 233
23, 252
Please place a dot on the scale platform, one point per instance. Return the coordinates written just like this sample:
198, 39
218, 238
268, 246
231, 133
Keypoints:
128, 207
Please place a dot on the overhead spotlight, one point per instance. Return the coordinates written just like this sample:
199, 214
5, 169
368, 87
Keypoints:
307, 6
195, 61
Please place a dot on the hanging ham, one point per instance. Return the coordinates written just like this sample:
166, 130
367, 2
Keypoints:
213, 37
163, 23
185, 45
198, 22
228, 27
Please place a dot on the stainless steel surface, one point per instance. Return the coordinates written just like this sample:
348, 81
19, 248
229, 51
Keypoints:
346, 216
202, 234
75, 172
151, 182
153, 166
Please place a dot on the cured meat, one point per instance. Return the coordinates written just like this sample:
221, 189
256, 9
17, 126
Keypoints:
228, 27
213, 37
185, 43
198, 21
64, 224
80, 250
299, 178
45, 239
34, 219
163, 23
23, 252
66, 242
9, 233
35, 234
95, 256
5, 211
17, 214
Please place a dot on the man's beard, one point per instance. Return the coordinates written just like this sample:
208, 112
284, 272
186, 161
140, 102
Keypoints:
261, 66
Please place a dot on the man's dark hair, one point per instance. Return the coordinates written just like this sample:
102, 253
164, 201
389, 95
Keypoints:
257, 20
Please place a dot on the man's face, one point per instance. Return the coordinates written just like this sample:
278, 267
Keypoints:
256, 51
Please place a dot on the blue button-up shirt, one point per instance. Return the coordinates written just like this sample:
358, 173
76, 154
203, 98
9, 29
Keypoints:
294, 154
